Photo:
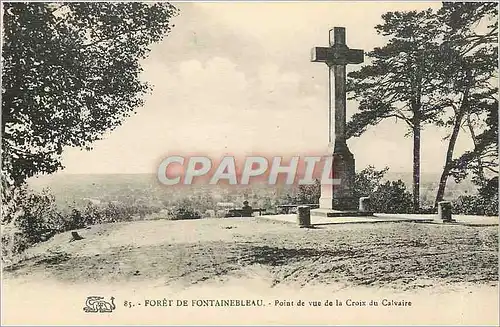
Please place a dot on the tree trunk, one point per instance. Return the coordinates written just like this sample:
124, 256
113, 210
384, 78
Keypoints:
449, 157
480, 172
416, 165
459, 115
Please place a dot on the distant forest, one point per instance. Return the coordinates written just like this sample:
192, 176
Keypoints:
144, 188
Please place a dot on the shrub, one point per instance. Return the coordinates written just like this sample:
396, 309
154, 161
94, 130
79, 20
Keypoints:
179, 213
308, 194
13, 242
392, 197
28, 218
388, 197
428, 209
483, 203
368, 180
75, 220
476, 205
184, 209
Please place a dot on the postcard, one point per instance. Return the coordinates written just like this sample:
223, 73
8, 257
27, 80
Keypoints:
250, 163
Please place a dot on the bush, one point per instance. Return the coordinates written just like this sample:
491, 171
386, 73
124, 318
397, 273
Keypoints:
388, 197
392, 197
308, 194
28, 218
483, 203
184, 209
368, 180
476, 205
13, 242
180, 213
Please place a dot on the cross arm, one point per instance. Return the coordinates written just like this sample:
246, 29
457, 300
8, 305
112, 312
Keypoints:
337, 55
319, 54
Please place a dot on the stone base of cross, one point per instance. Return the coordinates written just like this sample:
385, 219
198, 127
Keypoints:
340, 197
337, 56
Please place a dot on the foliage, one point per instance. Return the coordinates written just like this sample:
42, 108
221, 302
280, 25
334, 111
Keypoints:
368, 180
308, 194
483, 203
482, 160
476, 205
70, 74
391, 197
399, 80
184, 209
467, 87
437, 67
399, 76
34, 219
180, 213
388, 197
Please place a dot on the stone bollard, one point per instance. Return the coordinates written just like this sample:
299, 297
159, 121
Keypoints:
444, 211
365, 204
304, 216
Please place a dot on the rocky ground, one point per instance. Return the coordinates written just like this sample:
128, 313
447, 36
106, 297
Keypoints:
182, 253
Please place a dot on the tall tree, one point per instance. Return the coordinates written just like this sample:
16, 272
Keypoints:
468, 79
482, 160
70, 74
399, 81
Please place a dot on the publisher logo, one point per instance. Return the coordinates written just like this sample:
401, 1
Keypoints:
96, 304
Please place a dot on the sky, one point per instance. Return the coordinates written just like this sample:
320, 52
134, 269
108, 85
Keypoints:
236, 78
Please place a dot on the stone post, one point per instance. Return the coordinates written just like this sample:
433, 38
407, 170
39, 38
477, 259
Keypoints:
444, 211
365, 204
304, 216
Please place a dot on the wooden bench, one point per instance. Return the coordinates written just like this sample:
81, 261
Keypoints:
243, 212
287, 208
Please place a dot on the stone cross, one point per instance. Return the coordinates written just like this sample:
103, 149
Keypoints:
337, 56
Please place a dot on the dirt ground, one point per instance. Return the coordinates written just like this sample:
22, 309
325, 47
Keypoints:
449, 272
181, 253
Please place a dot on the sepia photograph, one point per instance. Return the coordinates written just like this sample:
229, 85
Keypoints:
249, 163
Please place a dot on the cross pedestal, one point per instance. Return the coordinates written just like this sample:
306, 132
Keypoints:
337, 56
340, 197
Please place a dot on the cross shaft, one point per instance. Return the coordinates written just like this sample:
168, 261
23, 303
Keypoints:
337, 56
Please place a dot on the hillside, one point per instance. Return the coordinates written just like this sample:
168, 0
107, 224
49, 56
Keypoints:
400, 255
